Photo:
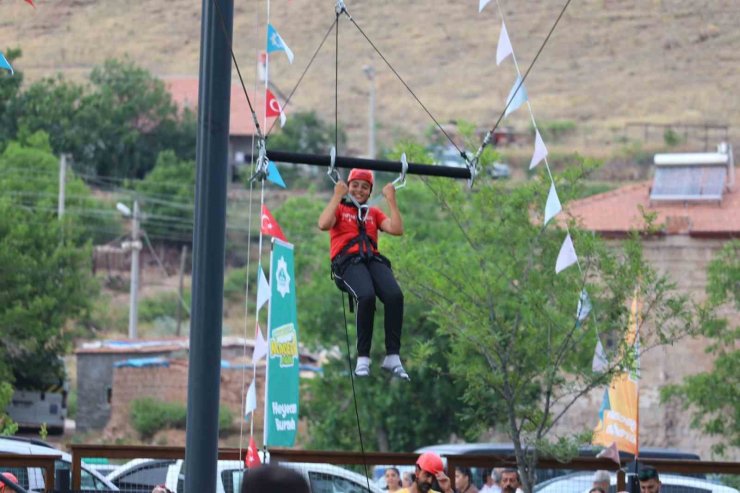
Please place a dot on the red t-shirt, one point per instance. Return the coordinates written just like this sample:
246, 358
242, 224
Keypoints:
345, 228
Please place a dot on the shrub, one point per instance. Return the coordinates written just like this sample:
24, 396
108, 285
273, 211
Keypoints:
164, 305
149, 415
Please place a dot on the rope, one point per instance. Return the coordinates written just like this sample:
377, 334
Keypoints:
238, 70
487, 138
354, 393
300, 79
408, 88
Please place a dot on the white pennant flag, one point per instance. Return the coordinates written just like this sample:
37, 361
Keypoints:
251, 401
504, 48
567, 255
553, 204
600, 364
540, 151
584, 306
482, 5
260, 345
263, 290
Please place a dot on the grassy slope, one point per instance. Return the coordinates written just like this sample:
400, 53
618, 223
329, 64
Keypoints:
609, 61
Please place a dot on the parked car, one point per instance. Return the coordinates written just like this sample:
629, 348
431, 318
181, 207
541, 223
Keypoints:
32, 478
322, 478
140, 475
670, 483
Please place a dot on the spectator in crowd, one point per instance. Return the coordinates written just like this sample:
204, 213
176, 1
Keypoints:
464, 480
490, 484
392, 479
429, 475
510, 480
407, 480
649, 479
8, 476
271, 478
601, 480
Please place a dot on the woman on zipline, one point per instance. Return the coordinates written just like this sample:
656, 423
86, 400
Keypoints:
360, 269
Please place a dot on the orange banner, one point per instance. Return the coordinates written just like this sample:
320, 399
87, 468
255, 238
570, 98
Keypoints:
619, 417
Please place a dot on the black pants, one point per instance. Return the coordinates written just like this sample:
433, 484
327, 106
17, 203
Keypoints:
364, 281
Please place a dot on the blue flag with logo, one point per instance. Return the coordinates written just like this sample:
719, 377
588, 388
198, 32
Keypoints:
5, 64
275, 43
282, 379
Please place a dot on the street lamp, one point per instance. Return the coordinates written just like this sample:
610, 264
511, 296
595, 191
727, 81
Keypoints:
135, 247
370, 74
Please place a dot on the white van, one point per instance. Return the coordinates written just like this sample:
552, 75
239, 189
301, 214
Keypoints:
32, 478
322, 478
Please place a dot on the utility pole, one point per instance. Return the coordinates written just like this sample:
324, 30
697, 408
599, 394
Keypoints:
209, 254
135, 246
183, 257
370, 73
62, 184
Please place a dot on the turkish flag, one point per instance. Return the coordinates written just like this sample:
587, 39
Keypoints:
252, 459
270, 226
273, 107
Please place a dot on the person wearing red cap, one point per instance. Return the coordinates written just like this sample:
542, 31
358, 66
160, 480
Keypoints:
430, 472
358, 267
10, 477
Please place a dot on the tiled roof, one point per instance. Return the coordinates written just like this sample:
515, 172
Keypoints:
185, 94
617, 212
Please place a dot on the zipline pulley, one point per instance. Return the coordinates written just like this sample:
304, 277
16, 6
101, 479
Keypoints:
261, 169
332, 171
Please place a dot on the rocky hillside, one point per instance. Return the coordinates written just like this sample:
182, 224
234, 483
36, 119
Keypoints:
609, 61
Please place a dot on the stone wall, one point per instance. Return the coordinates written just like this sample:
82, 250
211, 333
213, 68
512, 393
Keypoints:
684, 260
170, 384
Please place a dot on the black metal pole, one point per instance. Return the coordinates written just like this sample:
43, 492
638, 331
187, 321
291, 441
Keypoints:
201, 443
372, 164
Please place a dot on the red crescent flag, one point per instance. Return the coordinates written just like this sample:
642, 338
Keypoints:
270, 226
273, 107
252, 459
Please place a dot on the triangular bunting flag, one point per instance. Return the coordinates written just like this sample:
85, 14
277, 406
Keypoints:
4, 63
611, 452
584, 306
263, 290
252, 459
273, 107
251, 402
504, 48
553, 204
275, 43
270, 226
482, 5
599, 364
517, 97
260, 346
273, 174
540, 151
567, 255
30, 2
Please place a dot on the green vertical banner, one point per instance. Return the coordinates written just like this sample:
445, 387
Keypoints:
281, 399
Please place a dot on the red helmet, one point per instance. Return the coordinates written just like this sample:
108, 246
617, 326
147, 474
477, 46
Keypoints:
431, 463
361, 174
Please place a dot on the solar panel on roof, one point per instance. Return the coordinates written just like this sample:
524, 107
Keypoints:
688, 183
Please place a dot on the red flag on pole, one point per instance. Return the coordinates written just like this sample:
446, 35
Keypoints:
270, 226
273, 107
252, 459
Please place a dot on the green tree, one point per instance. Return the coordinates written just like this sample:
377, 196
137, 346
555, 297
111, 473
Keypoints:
714, 396
45, 271
9, 88
168, 193
488, 282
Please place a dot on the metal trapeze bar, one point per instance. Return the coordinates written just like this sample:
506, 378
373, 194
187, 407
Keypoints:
371, 164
